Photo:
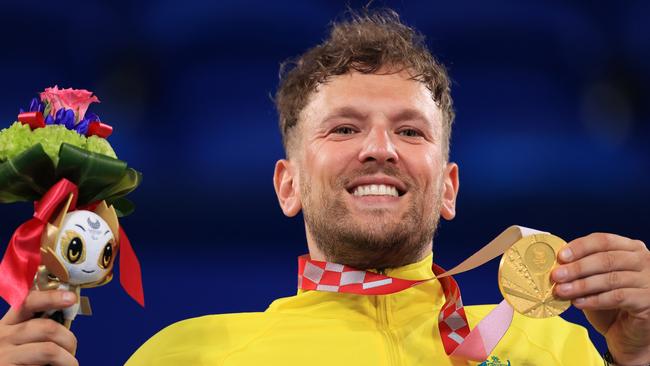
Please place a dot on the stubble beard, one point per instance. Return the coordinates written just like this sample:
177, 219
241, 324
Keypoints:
382, 243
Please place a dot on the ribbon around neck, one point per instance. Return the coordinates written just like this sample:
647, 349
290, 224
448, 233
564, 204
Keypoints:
22, 257
457, 338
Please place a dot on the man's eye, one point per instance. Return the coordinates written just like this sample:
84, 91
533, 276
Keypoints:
409, 132
344, 130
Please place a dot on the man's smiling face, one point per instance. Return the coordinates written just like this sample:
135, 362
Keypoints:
369, 170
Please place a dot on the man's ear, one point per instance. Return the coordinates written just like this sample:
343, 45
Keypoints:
449, 191
286, 187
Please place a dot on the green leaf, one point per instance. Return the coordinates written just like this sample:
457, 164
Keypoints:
26, 176
127, 183
90, 171
123, 207
47, 109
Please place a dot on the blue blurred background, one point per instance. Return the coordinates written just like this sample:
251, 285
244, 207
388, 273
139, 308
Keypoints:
552, 132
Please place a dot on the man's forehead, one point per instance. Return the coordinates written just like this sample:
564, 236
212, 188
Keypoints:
356, 95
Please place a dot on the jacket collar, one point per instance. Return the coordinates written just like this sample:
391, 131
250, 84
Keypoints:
398, 307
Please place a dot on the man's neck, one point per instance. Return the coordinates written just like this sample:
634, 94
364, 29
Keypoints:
316, 254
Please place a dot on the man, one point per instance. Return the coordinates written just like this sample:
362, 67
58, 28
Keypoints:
366, 120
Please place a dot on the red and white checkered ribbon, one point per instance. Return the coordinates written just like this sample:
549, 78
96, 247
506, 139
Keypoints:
332, 277
457, 338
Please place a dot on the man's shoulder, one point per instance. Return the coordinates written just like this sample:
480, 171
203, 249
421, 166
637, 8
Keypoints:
216, 322
189, 340
559, 340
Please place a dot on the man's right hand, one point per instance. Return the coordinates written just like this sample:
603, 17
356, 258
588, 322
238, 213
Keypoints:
28, 341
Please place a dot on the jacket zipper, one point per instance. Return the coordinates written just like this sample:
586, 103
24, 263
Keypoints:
384, 325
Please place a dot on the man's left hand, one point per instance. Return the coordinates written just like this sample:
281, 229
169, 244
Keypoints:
608, 277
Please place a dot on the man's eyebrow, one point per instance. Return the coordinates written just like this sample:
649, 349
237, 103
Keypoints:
410, 114
354, 113
345, 112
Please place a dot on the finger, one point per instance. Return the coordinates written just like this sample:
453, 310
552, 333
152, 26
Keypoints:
602, 262
596, 284
39, 301
43, 330
598, 242
43, 353
633, 300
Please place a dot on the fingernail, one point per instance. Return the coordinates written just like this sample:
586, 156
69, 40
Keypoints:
68, 297
579, 301
565, 287
566, 254
561, 273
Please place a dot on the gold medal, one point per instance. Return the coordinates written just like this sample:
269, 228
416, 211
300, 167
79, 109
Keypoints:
525, 276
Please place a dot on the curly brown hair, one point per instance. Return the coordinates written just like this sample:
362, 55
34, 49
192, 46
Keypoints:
364, 43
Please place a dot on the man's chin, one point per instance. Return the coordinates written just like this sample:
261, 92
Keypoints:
376, 223
371, 241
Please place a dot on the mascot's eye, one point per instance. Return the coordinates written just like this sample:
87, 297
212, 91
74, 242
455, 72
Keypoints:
107, 255
72, 247
75, 249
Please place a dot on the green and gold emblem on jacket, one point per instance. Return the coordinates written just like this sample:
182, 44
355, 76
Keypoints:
494, 361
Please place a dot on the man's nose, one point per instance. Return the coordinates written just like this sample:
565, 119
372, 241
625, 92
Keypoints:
378, 146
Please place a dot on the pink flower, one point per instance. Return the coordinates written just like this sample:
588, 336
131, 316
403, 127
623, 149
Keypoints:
76, 99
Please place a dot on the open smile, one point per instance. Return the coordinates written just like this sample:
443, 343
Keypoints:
376, 191
376, 186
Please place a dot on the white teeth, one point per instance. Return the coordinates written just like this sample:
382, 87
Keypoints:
375, 190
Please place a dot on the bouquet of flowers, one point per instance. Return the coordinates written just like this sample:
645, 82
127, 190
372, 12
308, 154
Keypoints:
56, 155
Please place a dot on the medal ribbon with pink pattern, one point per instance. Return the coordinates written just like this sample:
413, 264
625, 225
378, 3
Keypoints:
457, 338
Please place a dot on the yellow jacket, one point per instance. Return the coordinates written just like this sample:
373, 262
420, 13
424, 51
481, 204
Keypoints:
323, 328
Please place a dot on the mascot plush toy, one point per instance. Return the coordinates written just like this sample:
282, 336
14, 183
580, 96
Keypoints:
77, 253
